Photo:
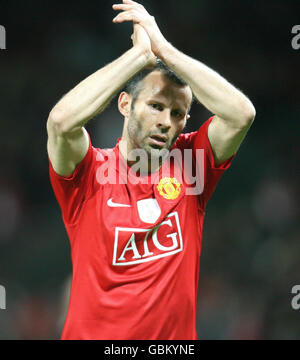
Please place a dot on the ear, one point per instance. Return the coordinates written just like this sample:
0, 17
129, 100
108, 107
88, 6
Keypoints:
124, 103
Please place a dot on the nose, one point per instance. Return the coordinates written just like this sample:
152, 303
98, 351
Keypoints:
164, 120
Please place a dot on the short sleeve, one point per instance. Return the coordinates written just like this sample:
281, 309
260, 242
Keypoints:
212, 173
72, 191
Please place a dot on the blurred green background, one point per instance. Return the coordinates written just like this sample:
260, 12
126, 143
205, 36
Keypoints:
251, 243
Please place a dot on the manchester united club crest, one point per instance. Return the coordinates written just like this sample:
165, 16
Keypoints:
169, 188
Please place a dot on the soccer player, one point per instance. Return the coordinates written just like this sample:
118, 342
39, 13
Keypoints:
136, 235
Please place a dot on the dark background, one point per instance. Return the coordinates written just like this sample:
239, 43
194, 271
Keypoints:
251, 245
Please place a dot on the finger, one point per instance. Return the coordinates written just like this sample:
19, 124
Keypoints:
122, 7
131, 2
126, 16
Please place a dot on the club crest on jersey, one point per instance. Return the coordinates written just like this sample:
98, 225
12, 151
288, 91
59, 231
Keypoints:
169, 188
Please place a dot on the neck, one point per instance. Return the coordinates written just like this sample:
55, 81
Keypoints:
139, 158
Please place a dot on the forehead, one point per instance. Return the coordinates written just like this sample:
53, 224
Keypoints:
156, 86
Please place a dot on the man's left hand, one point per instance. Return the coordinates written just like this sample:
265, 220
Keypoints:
132, 11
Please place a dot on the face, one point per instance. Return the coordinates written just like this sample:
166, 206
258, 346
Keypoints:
159, 115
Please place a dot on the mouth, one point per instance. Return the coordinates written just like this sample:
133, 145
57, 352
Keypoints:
159, 140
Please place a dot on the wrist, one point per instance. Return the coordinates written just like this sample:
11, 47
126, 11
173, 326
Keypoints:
165, 51
146, 56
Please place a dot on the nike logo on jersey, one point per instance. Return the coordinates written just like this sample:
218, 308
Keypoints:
110, 203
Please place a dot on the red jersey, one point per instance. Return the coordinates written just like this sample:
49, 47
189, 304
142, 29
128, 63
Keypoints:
135, 247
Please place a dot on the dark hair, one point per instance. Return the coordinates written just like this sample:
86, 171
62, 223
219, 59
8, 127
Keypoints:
133, 86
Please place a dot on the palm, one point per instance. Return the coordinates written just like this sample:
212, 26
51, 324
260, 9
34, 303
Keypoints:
140, 38
135, 12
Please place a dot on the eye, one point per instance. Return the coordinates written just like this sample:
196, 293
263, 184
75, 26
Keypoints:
156, 106
177, 113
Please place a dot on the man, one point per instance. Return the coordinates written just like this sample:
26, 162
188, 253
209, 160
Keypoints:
136, 244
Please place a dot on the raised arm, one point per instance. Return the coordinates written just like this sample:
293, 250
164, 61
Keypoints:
67, 139
234, 112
